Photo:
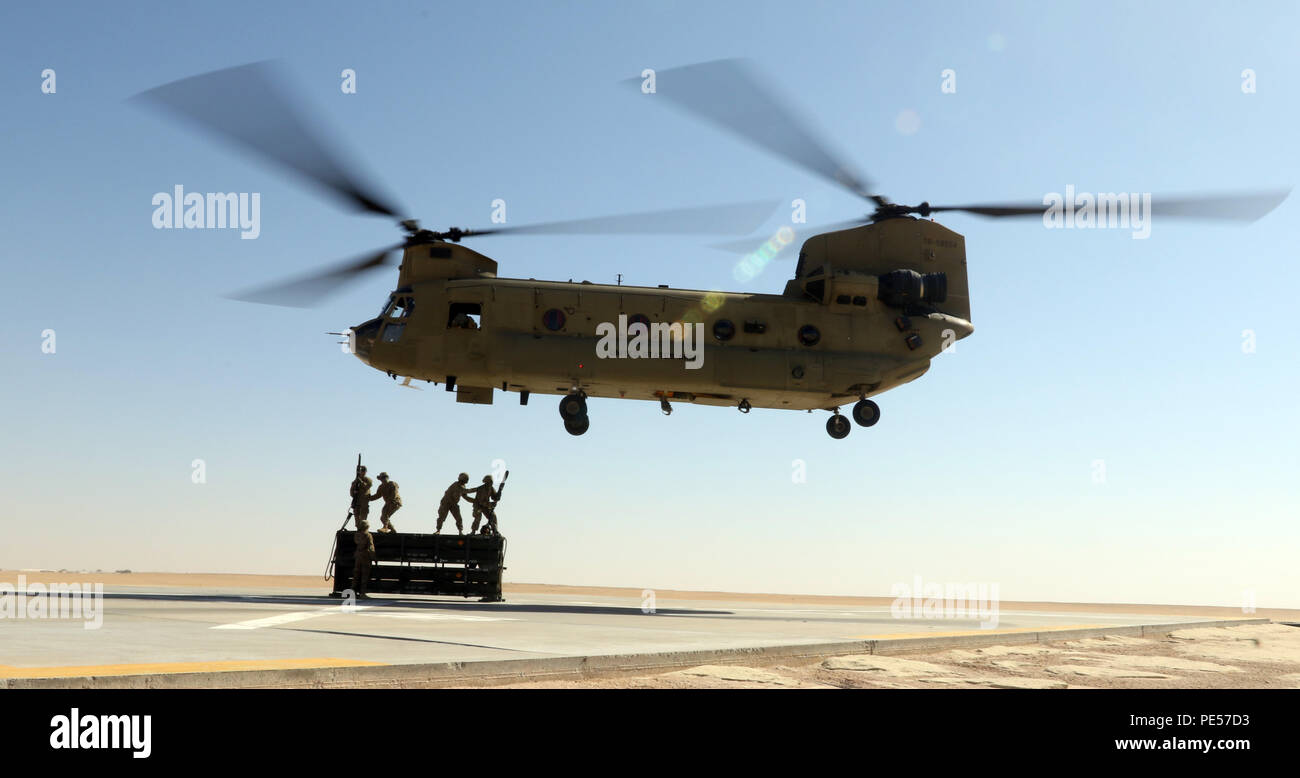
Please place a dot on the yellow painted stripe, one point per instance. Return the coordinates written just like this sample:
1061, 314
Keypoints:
960, 633
79, 671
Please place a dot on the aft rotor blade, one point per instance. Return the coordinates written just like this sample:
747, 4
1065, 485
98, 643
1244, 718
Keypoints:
729, 94
730, 219
247, 106
1241, 206
1006, 209
309, 290
801, 233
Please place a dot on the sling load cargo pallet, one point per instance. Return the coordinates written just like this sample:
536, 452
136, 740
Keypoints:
413, 563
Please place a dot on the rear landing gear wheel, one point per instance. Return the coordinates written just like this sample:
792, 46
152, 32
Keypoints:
572, 407
838, 426
866, 413
577, 426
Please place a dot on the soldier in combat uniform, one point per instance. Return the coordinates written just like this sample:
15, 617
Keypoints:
485, 502
451, 502
365, 554
387, 491
360, 491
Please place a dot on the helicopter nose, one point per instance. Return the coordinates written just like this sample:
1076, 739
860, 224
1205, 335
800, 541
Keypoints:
363, 339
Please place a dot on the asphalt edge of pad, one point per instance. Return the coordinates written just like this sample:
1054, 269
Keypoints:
493, 672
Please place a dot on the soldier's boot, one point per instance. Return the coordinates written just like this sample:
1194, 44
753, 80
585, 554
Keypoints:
473, 528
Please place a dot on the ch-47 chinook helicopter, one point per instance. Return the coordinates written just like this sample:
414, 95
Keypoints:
872, 301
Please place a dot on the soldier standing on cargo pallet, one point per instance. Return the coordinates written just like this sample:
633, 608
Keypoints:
365, 554
484, 504
360, 492
451, 502
392, 501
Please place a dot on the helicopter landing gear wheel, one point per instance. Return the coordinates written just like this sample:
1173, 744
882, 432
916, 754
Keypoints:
866, 413
838, 426
577, 426
572, 407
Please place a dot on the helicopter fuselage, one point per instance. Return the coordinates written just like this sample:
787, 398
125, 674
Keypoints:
831, 337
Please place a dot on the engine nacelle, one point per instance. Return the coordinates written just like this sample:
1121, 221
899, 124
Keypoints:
901, 288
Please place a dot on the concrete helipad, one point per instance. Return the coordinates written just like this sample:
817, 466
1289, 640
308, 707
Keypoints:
189, 636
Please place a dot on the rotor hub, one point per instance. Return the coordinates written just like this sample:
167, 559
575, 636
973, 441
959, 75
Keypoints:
888, 210
417, 236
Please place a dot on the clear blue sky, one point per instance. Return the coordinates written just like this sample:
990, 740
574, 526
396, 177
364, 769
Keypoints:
1088, 345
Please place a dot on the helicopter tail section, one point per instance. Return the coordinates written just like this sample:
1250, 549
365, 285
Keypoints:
934, 255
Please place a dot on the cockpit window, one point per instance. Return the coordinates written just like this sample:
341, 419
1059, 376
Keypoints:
400, 308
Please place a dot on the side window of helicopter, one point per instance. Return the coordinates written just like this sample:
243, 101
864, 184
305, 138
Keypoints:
464, 316
554, 319
809, 335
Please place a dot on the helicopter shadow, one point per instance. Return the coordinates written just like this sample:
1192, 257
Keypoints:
385, 602
468, 606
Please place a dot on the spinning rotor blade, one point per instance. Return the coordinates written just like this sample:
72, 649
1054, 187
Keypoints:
306, 291
730, 219
801, 233
1007, 209
246, 106
1242, 206
729, 94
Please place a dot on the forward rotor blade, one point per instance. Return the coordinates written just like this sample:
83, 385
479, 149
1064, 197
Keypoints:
309, 290
1241, 206
729, 94
246, 106
730, 219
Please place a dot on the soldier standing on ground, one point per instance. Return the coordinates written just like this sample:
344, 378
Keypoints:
387, 491
451, 502
365, 554
360, 492
484, 504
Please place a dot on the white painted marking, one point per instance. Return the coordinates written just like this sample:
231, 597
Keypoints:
286, 618
440, 617
789, 611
